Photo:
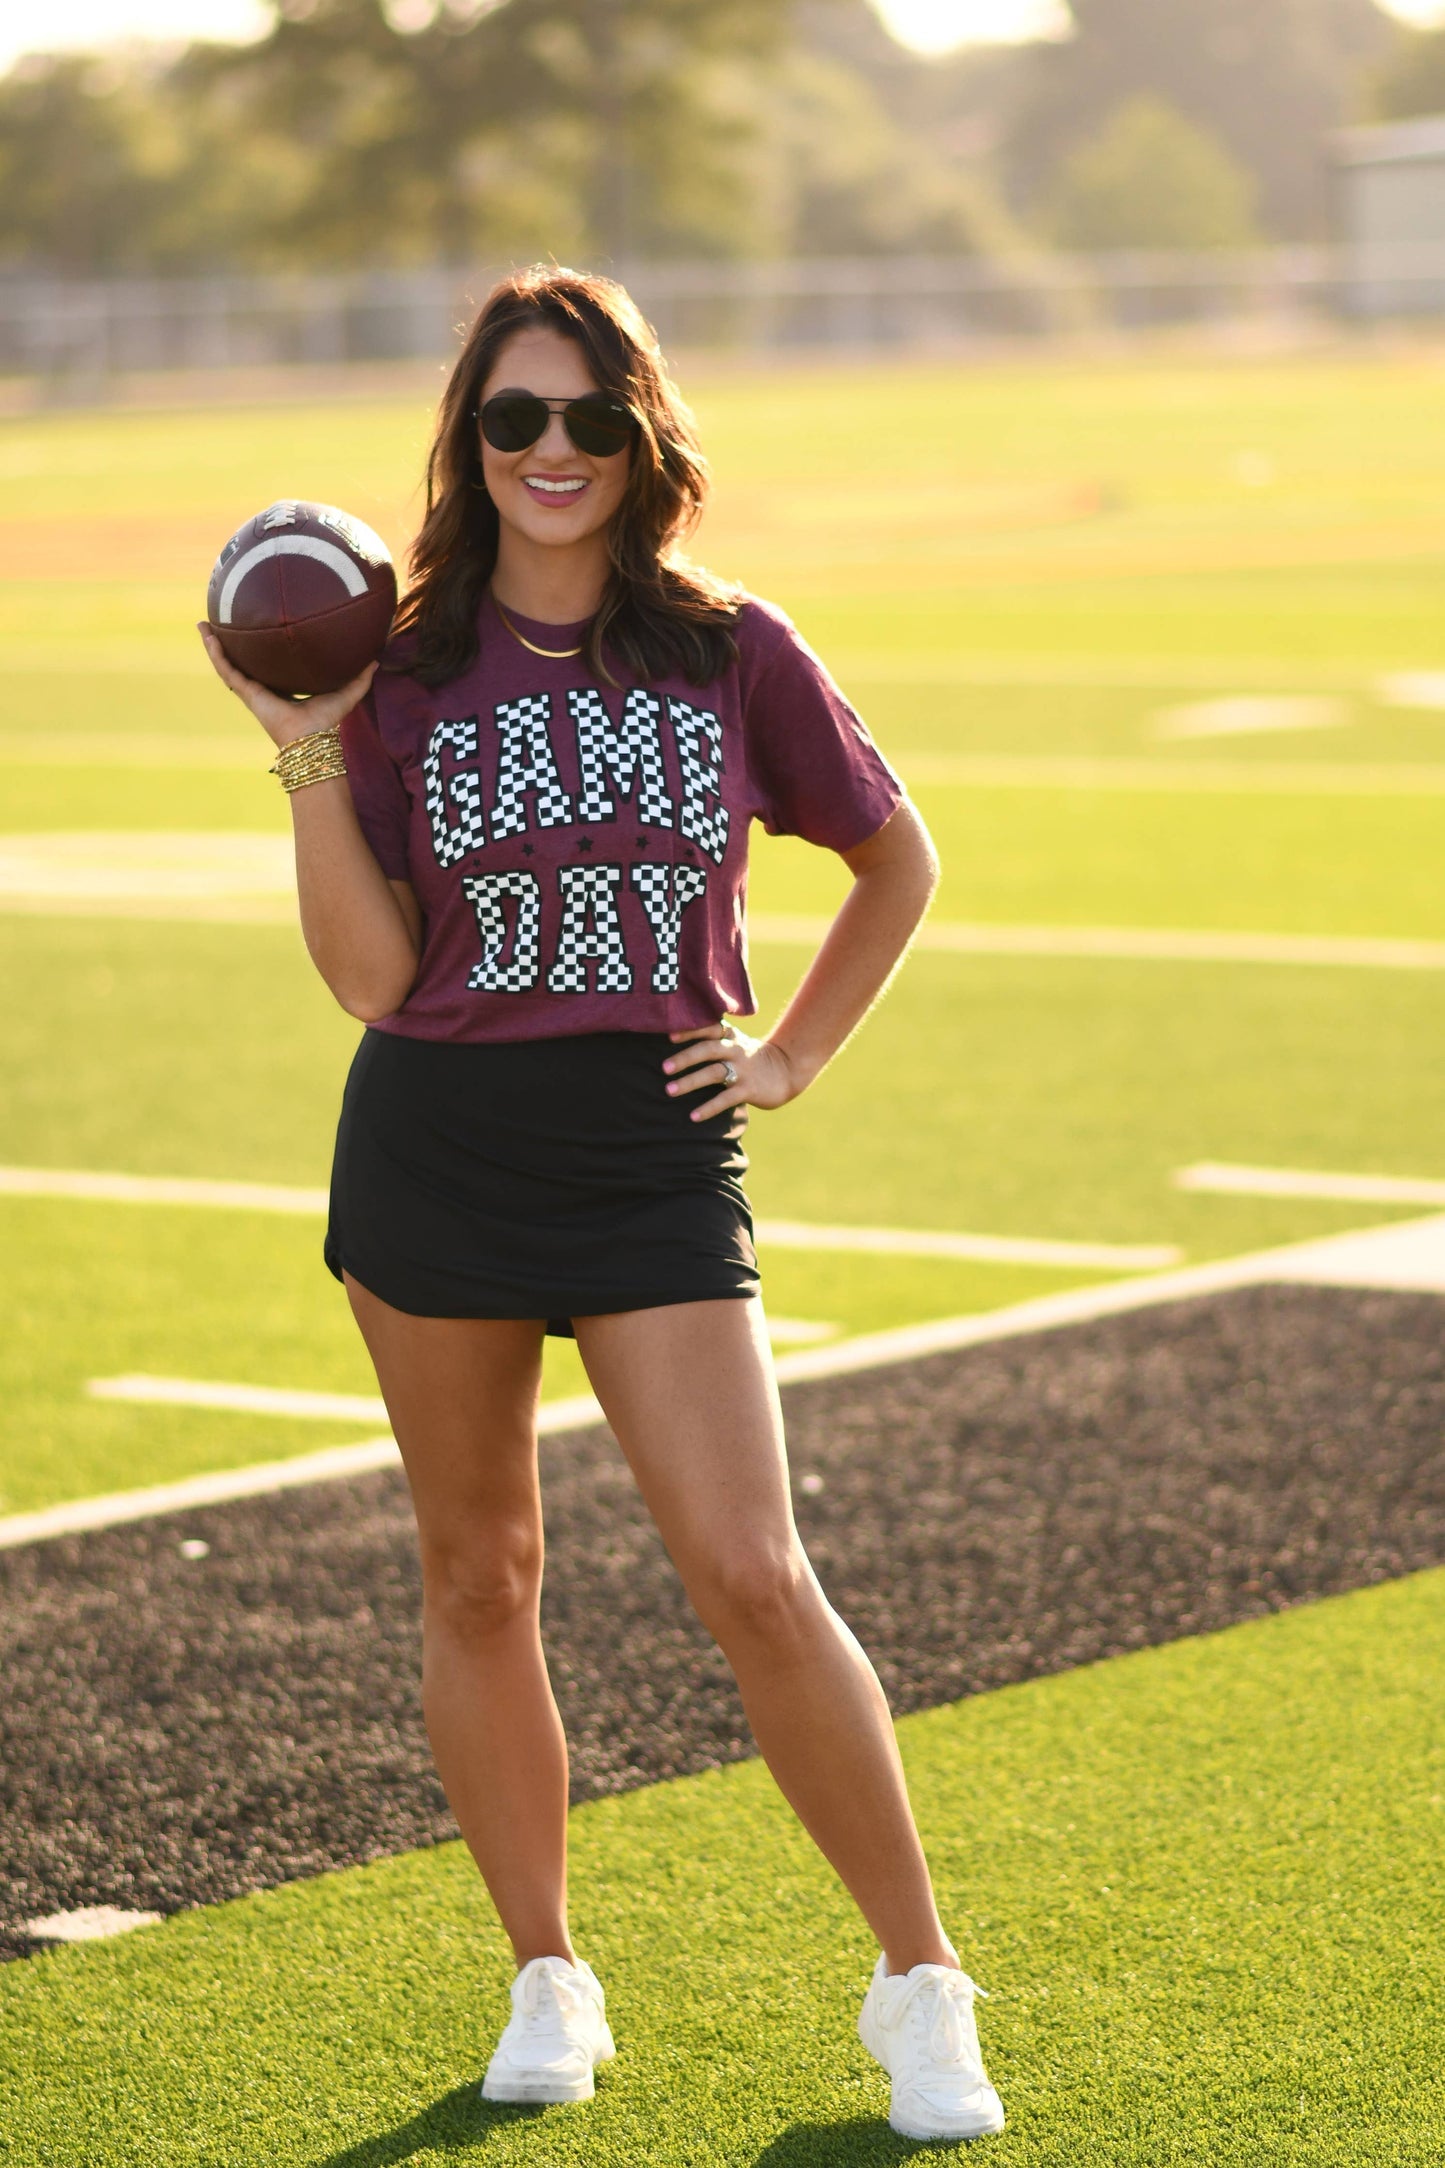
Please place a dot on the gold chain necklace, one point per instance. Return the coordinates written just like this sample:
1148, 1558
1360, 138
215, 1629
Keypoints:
553, 654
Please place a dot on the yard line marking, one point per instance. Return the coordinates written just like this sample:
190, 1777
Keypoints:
240, 1399
1407, 1254
310, 1406
146, 1391
92, 1923
161, 1189
976, 1249
104, 749
78, 1515
180, 866
886, 666
784, 1234
216, 910
1044, 771
1218, 1178
1412, 689
1244, 714
1134, 944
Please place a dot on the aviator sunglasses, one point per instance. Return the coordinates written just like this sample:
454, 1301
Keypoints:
597, 423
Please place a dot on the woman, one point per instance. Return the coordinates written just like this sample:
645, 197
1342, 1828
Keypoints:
521, 854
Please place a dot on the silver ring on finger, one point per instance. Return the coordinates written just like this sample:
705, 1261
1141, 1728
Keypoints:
730, 1075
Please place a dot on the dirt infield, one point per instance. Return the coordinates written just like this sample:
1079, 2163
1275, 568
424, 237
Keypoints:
176, 1730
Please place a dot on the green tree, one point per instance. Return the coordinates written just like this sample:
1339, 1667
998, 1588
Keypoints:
610, 126
73, 189
1152, 179
1271, 79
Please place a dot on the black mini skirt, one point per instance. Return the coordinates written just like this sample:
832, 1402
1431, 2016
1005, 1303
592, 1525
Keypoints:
547, 1178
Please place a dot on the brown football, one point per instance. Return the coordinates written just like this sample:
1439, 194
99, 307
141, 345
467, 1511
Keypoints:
302, 597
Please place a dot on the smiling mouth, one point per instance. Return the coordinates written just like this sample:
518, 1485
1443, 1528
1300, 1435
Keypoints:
562, 489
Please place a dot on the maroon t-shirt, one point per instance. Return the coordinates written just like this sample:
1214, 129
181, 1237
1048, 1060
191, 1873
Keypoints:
579, 851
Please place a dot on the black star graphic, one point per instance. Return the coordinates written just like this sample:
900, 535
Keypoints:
642, 843
689, 853
529, 850
584, 843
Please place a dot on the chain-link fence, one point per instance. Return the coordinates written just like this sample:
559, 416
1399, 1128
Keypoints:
80, 333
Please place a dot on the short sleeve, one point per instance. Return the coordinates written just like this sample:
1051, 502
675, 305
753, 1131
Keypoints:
817, 771
377, 791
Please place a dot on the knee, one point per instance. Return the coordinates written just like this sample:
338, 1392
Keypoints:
478, 1584
762, 1595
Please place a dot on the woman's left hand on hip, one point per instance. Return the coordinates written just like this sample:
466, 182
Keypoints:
736, 1070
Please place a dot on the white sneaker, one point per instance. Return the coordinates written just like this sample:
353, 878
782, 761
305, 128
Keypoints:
919, 2025
555, 2037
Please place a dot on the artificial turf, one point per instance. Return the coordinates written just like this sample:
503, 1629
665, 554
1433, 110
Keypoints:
1068, 1496
1199, 1882
1050, 1098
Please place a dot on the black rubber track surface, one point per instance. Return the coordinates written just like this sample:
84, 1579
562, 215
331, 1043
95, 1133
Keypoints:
173, 1731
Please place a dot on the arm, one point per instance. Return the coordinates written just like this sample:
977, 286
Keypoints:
362, 930
894, 874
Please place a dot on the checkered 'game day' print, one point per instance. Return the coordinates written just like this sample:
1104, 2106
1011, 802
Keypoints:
666, 892
701, 778
527, 765
633, 754
464, 788
485, 892
591, 931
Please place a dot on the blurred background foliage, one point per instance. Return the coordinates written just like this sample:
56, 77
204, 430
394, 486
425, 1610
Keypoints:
368, 132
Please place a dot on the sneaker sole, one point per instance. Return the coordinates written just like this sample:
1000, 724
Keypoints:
543, 2093
986, 2129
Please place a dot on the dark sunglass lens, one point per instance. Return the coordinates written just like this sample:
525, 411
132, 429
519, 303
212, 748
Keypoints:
599, 424
513, 420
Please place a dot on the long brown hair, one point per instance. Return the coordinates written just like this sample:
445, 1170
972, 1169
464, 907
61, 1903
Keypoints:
659, 614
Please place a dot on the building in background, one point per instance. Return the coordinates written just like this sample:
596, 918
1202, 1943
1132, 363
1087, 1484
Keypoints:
1391, 182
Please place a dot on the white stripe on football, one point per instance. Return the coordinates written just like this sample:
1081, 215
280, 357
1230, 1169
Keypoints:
289, 545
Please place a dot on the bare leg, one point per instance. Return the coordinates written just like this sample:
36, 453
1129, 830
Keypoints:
462, 1396
689, 1392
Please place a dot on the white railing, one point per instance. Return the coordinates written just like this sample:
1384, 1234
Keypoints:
82, 332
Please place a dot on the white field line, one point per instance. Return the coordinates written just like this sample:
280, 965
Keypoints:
92, 1923
97, 749
799, 1331
1301, 1263
240, 1399
976, 1249
207, 911
1251, 714
1218, 1178
79, 1514
329, 1465
161, 1189
1412, 689
1329, 779
98, 866
784, 1234
1135, 944
1120, 673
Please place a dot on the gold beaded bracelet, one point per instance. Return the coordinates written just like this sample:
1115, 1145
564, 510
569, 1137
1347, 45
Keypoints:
316, 758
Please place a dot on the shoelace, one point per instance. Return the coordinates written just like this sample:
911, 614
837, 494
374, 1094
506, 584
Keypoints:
950, 2037
564, 1998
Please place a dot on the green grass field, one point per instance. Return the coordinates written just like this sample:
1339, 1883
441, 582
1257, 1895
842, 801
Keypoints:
1032, 566
1201, 1882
